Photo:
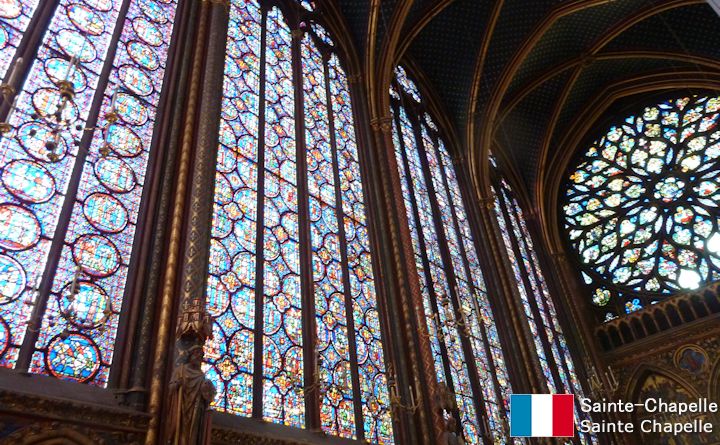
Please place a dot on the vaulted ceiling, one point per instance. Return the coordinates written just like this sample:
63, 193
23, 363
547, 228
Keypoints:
524, 72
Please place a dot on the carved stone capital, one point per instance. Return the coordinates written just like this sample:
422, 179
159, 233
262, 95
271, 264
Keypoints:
383, 124
224, 3
354, 78
486, 201
297, 33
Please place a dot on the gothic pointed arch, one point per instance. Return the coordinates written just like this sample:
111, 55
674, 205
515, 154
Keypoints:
297, 335
464, 340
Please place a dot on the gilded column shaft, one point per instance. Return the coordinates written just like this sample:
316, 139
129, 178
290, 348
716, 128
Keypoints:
145, 289
189, 392
207, 116
169, 292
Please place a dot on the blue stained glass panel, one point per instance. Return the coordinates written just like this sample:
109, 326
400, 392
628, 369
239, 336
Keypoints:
282, 332
15, 16
101, 231
375, 400
231, 293
249, 195
39, 98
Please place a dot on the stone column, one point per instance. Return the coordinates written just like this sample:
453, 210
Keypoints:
420, 369
184, 416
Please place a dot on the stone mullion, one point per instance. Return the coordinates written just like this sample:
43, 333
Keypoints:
424, 258
541, 298
257, 385
531, 297
578, 318
28, 48
349, 302
525, 360
470, 279
57, 243
449, 269
309, 325
506, 322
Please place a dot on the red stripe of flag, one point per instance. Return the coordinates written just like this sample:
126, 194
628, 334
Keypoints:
563, 415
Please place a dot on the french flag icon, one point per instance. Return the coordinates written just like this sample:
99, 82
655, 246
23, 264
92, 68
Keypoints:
542, 415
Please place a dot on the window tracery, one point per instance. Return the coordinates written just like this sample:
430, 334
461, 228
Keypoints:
640, 206
549, 341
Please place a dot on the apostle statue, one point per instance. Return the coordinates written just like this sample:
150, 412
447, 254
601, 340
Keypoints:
190, 392
190, 397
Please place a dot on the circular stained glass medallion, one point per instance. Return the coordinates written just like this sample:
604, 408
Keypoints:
56, 69
154, 11
4, 37
98, 255
88, 308
124, 141
32, 137
105, 212
4, 336
47, 101
85, 19
28, 181
135, 80
12, 279
642, 206
10, 9
74, 44
74, 357
148, 32
19, 228
130, 109
100, 5
143, 55
115, 174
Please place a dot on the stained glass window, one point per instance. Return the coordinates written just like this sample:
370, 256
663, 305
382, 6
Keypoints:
642, 202
290, 245
15, 17
462, 333
71, 192
550, 345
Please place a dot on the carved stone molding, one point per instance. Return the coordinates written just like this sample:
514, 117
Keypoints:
18, 405
667, 342
40, 433
225, 3
232, 437
383, 124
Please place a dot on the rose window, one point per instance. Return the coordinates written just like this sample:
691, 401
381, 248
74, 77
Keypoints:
641, 207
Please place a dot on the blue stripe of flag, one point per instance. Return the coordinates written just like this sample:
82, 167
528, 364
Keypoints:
520, 415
